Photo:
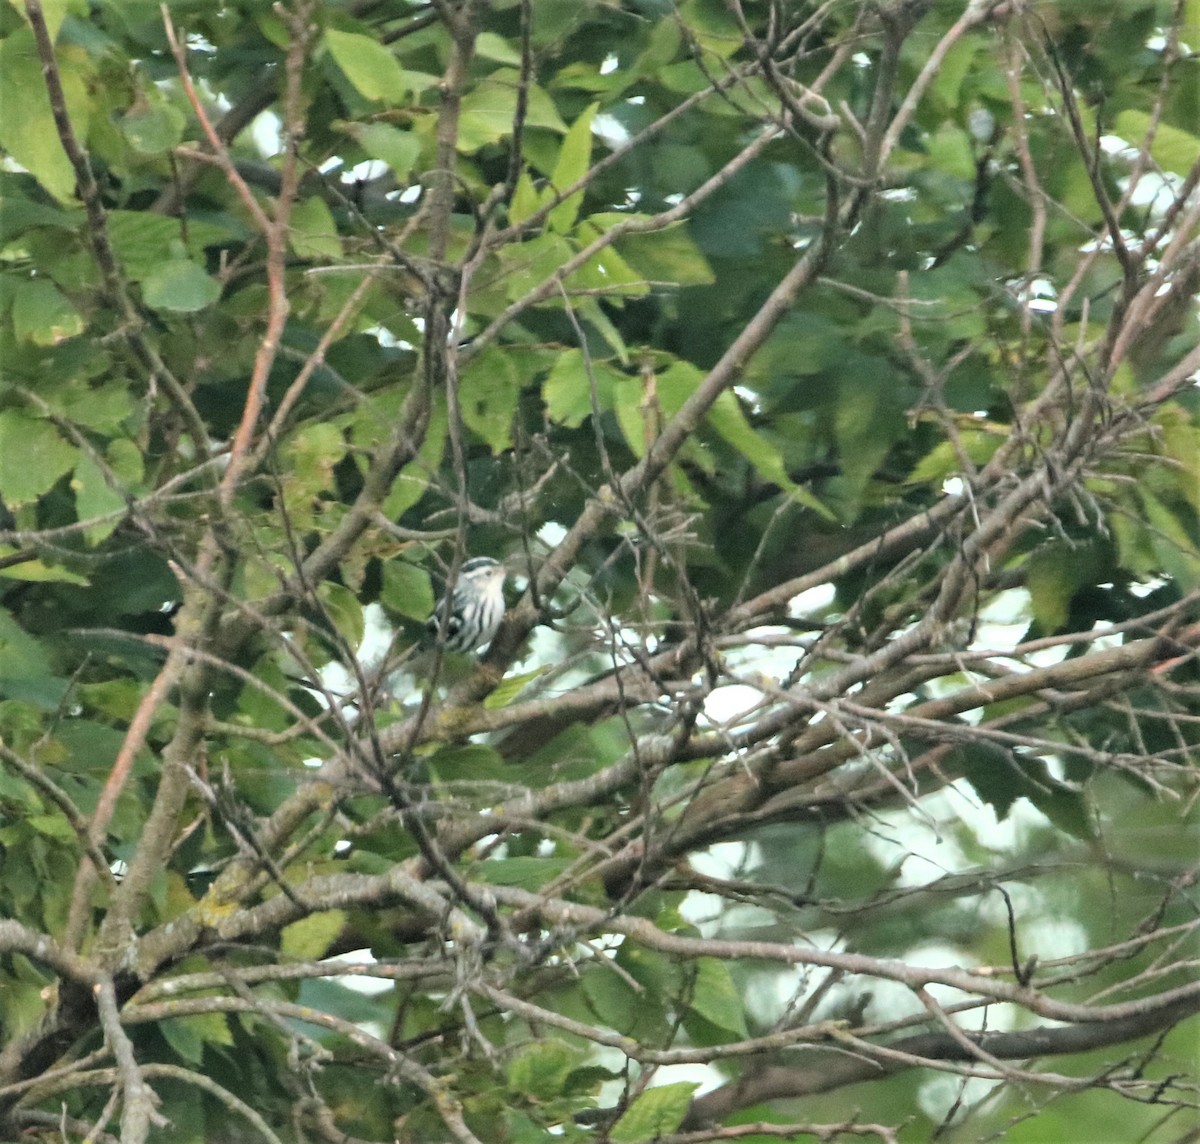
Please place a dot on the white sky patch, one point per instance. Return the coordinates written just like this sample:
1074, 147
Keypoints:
723, 859
941, 1093
360, 983
748, 396
1039, 294
376, 635
388, 340
814, 600
365, 171
1003, 621
727, 703
1053, 937
267, 133
551, 533
610, 129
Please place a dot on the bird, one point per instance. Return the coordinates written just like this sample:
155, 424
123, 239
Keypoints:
472, 608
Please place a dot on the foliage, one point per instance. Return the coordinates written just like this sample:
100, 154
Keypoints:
825, 374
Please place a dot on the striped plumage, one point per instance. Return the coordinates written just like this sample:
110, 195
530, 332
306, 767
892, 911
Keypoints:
475, 606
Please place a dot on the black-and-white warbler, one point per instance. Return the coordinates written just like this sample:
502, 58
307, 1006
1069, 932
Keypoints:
474, 609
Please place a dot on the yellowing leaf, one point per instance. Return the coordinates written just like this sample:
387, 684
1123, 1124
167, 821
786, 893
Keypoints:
311, 937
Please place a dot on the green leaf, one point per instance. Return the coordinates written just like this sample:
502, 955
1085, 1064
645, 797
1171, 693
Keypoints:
179, 285
144, 241
713, 26
32, 457
574, 157
863, 429
716, 998
1000, 777
105, 408
1181, 442
681, 379
593, 314
1190, 27
1054, 574
344, 611
957, 63
406, 590
188, 1035
661, 48
489, 109
413, 481
42, 314
27, 128
949, 149
125, 460
312, 232
1063, 805
468, 762
529, 873
668, 255
37, 572
942, 460
372, 69
540, 1070
21, 215
606, 270
526, 200
489, 46
991, 772
310, 937
53, 826
512, 686
568, 389
657, 1112
312, 454
1173, 543
154, 127
398, 149
94, 497
25, 668
613, 1000
1172, 148
488, 392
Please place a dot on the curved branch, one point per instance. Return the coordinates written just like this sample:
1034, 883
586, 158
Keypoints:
839, 1069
